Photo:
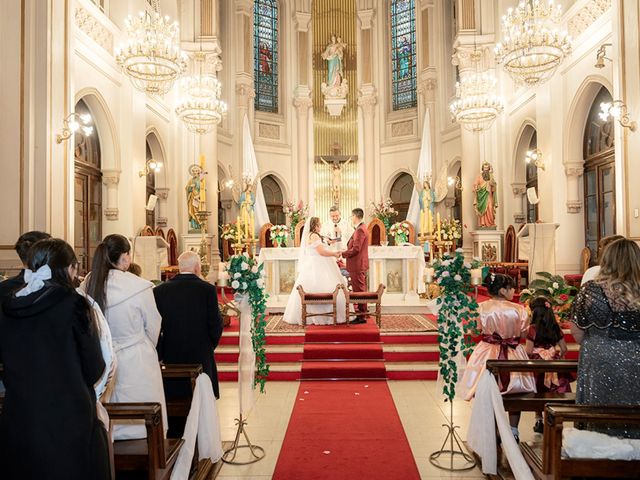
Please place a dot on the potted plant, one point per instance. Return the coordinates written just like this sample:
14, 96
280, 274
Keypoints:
278, 235
400, 232
384, 211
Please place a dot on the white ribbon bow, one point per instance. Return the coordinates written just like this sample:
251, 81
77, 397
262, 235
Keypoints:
35, 280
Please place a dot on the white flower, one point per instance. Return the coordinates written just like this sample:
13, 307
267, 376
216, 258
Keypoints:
459, 250
555, 285
254, 269
235, 284
467, 265
237, 275
445, 273
477, 259
260, 283
550, 290
457, 278
244, 285
244, 266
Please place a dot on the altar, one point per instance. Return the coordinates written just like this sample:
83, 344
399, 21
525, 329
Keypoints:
400, 269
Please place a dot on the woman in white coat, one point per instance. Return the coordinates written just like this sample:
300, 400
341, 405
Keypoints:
130, 309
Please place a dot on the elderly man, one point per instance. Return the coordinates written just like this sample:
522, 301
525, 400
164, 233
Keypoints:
191, 323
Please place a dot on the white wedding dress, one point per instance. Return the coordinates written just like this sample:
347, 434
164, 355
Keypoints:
316, 274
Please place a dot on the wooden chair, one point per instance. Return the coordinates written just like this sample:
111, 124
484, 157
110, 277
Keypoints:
354, 298
575, 279
299, 231
147, 231
510, 252
546, 460
265, 236
172, 240
319, 299
412, 232
377, 232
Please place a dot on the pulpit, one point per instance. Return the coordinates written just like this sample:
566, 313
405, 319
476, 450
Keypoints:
151, 254
537, 246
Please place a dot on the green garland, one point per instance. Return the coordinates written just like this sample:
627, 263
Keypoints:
457, 316
247, 278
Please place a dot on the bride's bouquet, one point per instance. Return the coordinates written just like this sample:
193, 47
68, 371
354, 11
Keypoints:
400, 232
279, 234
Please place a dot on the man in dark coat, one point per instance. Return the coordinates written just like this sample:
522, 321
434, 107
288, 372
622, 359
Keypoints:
191, 322
22, 246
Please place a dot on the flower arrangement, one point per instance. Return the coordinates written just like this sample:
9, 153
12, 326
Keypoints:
229, 231
384, 211
451, 230
555, 289
247, 278
295, 213
457, 315
278, 234
400, 232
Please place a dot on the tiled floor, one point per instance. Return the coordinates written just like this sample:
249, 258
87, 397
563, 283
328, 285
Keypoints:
420, 408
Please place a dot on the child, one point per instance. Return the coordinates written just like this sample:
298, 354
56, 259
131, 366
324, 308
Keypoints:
543, 337
503, 325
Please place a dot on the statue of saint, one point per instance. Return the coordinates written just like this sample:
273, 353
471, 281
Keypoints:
485, 197
193, 189
336, 179
333, 54
246, 200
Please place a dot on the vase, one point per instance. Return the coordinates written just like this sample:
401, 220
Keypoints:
400, 239
276, 242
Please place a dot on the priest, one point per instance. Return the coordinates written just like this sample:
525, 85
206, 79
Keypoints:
338, 231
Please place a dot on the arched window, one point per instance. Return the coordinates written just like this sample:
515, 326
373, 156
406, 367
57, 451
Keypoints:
151, 190
532, 182
87, 194
599, 175
403, 54
401, 195
265, 41
274, 199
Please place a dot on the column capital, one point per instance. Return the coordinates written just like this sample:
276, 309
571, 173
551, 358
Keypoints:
519, 218
574, 169
425, 4
519, 188
574, 206
366, 17
367, 99
111, 213
302, 104
163, 192
427, 88
110, 176
302, 20
244, 93
244, 7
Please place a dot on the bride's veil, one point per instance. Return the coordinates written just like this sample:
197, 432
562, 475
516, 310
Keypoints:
302, 254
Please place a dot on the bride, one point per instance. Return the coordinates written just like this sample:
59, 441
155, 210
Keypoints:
318, 272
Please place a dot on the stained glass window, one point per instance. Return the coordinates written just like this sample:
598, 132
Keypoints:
265, 40
403, 54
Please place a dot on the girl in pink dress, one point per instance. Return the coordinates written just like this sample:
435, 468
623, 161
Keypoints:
544, 336
503, 325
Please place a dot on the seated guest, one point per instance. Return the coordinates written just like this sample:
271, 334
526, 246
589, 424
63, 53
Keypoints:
606, 316
24, 243
191, 322
503, 324
130, 309
50, 347
592, 272
544, 336
135, 269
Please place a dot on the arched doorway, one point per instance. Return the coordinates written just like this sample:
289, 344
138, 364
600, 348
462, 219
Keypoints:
150, 188
87, 193
532, 181
274, 199
599, 175
400, 194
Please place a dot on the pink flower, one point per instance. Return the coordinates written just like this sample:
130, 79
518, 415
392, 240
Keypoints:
564, 297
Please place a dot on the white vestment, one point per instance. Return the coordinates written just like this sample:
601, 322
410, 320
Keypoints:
345, 230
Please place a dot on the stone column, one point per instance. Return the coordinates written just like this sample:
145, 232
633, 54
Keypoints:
162, 194
111, 178
301, 175
519, 190
303, 103
574, 171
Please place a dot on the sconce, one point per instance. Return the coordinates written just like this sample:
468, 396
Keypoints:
455, 182
150, 166
72, 123
618, 110
534, 156
601, 55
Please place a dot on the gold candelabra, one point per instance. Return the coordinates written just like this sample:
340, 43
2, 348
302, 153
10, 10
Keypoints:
203, 215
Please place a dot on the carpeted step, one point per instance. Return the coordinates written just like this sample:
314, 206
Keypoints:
365, 333
342, 351
322, 370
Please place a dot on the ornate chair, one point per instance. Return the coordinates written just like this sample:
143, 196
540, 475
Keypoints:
160, 233
412, 232
298, 234
172, 240
377, 232
265, 237
510, 245
147, 231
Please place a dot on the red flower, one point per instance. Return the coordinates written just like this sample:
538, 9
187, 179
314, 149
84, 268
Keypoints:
564, 297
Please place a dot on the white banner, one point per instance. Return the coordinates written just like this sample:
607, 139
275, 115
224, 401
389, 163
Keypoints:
246, 359
250, 170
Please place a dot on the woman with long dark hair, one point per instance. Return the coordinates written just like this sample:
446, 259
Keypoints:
50, 347
130, 309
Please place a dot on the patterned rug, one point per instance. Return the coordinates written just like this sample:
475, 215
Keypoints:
390, 323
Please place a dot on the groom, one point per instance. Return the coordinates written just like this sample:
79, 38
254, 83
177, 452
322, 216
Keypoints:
357, 255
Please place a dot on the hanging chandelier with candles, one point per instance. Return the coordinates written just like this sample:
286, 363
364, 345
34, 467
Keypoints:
152, 57
201, 108
476, 105
532, 46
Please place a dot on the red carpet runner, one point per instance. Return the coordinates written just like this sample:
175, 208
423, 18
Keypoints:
345, 430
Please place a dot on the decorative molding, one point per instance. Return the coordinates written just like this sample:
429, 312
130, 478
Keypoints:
367, 102
519, 188
574, 206
162, 221
519, 218
162, 193
110, 177
111, 213
586, 16
574, 169
402, 129
366, 18
268, 130
427, 88
302, 20
244, 7
302, 104
92, 27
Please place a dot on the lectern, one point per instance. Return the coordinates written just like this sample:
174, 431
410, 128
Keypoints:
151, 254
537, 246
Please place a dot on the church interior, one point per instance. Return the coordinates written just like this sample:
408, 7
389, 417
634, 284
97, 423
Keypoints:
412, 222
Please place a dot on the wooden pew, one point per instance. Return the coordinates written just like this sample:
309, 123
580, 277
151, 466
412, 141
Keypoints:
546, 460
183, 373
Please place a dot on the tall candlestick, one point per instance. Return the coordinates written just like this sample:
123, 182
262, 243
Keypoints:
438, 226
421, 222
203, 193
202, 161
429, 222
238, 230
251, 225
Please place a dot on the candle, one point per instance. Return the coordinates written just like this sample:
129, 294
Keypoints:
438, 225
238, 230
203, 193
429, 223
202, 161
251, 229
476, 276
428, 274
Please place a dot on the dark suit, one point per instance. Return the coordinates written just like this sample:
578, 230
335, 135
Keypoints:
11, 285
191, 323
357, 255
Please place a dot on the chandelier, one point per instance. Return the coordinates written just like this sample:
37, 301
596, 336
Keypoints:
532, 47
152, 57
476, 105
201, 108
